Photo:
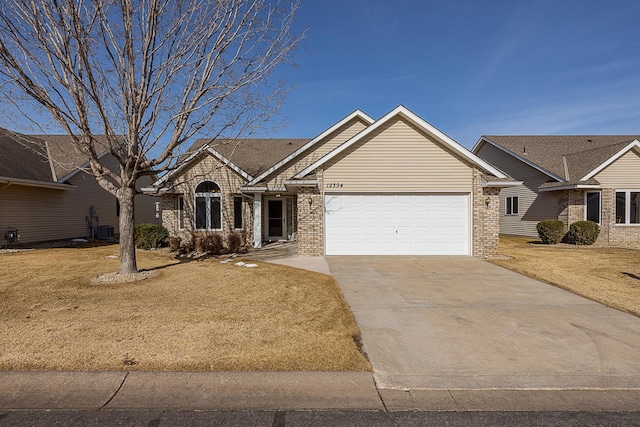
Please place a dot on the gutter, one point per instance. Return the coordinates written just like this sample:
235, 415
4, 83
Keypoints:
301, 182
501, 184
33, 183
571, 187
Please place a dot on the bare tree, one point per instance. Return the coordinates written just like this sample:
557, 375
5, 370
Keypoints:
147, 74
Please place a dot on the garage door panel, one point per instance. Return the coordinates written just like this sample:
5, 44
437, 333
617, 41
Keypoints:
431, 224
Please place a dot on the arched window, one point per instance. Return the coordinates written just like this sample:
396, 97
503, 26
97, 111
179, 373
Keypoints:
208, 207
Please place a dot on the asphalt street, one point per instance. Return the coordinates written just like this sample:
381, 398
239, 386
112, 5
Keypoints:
315, 418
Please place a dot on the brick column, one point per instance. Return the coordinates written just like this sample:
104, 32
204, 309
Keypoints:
310, 222
486, 217
571, 207
170, 213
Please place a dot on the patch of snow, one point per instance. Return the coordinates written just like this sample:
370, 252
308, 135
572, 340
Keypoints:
80, 240
251, 265
240, 263
112, 256
226, 261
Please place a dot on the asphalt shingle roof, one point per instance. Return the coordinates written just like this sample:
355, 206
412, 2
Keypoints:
253, 155
582, 153
23, 157
65, 155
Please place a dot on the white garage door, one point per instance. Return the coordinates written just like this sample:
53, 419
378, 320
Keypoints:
433, 224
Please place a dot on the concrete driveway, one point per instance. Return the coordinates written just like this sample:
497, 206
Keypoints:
461, 322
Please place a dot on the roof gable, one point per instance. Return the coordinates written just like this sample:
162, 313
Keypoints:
625, 149
247, 157
356, 115
422, 125
565, 157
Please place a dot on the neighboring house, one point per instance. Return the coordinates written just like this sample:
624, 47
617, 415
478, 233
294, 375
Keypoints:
392, 186
570, 178
46, 194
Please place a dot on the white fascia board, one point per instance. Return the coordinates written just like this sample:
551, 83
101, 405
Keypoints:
571, 187
522, 159
301, 183
34, 183
476, 147
402, 110
85, 165
314, 141
501, 184
229, 164
254, 189
182, 165
611, 159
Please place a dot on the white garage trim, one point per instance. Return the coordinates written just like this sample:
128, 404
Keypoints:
397, 224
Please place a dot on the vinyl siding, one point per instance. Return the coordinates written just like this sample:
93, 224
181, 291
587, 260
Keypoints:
43, 214
208, 168
342, 134
533, 206
623, 173
397, 158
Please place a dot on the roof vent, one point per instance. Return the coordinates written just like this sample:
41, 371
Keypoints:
524, 150
589, 140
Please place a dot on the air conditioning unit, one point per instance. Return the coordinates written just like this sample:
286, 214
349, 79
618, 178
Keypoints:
105, 232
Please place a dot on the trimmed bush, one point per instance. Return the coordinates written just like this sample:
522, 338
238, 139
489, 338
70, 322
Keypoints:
550, 231
234, 242
150, 236
583, 233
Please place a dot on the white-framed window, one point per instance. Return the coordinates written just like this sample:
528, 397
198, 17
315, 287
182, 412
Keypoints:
511, 205
238, 213
592, 206
627, 207
180, 212
208, 206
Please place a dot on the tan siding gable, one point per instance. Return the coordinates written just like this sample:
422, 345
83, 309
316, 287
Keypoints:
623, 173
533, 206
207, 168
398, 157
342, 134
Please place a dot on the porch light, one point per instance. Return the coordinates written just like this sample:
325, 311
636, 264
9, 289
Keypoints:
277, 194
310, 200
488, 201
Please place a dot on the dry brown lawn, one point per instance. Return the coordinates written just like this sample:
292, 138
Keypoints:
194, 316
610, 276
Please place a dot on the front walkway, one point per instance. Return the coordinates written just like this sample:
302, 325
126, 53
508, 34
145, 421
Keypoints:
443, 323
286, 253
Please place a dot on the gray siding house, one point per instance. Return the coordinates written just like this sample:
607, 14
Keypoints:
46, 195
570, 178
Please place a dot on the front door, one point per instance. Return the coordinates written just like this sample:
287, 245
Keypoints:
275, 220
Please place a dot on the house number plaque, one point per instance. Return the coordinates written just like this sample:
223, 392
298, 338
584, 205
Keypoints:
334, 185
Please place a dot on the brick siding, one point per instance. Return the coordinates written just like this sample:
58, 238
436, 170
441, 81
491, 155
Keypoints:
486, 217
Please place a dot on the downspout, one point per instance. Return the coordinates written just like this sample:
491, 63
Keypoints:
6, 185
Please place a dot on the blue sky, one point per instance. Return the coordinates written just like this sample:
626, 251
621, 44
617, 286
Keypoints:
470, 67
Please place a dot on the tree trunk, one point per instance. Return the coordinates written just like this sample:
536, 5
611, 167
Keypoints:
127, 224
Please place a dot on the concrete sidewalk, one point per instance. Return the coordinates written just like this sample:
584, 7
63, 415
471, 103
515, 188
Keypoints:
278, 391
